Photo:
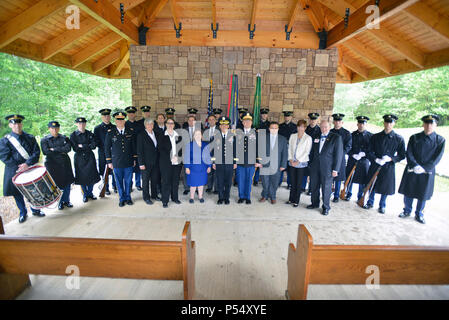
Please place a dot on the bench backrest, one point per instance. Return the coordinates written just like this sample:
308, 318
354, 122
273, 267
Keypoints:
340, 264
111, 258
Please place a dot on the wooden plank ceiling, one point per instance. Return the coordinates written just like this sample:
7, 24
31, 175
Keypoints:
413, 35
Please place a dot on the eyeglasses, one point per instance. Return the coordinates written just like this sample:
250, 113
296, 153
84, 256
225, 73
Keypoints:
170, 123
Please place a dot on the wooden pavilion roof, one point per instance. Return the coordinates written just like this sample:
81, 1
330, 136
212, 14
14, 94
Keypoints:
413, 34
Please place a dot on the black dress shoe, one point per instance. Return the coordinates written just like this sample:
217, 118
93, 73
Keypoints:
248, 201
255, 183
295, 205
347, 198
156, 198
288, 202
309, 193
241, 201
404, 215
311, 206
115, 190
139, 188
61, 206
335, 200
177, 201
201, 200
303, 190
22, 219
121, 204
39, 214
149, 202
208, 190
220, 201
92, 197
191, 201
107, 192
381, 210
215, 192
164, 205
325, 212
68, 204
85, 199
186, 192
420, 219
367, 206
129, 202
227, 201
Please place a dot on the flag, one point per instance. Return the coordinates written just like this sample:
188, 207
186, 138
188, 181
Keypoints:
233, 101
210, 103
257, 102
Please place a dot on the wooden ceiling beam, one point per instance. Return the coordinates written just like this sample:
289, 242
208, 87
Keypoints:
214, 12
315, 14
357, 20
95, 48
369, 54
345, 72
108, 15
293, 15
19, 25
398, 44
253, 13
338, 6
106, 61
151, 11
174, 13
120, 63
435, 21
52, 47
355, 66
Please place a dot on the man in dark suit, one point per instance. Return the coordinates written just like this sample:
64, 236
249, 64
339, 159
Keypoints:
272, 161
325, 160
159, 125
147, 156
209, 136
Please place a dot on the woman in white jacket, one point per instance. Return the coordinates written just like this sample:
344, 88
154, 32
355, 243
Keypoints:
299, 147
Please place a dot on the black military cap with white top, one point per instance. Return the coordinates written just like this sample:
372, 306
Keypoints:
14, 118
362, 119
390, 118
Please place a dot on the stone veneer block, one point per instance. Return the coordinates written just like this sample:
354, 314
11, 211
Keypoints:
321, 60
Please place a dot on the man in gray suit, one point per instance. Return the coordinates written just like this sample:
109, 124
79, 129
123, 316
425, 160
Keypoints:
325, 160
272, 160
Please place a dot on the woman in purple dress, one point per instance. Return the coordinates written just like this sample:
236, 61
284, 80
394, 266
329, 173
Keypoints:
197, 163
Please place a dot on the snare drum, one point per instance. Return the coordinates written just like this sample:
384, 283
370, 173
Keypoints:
37, 186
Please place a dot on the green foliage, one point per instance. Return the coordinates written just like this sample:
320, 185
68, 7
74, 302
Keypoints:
43, 92
410, 97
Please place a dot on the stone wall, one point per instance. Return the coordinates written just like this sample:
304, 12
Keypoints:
298, 80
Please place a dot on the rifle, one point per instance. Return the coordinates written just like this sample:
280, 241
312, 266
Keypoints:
348, 182
369, 187
105, 181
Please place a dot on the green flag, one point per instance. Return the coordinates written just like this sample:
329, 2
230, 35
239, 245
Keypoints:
257, 102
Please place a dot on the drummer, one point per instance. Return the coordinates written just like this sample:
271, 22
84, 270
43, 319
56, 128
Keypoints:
19, 151
56, 147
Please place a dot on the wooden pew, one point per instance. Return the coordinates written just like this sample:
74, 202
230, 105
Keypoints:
340, 264
111, 258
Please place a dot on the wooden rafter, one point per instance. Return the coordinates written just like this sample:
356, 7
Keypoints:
293, 15
108, 15
95, 48
357, 21
434, 21
355, 66
214, 12
369, 54
120, 63
174, 13
106, 61
253, 13
16, 27
315, 14
398, 44
52, 47
150, 12
338, 6
345, 72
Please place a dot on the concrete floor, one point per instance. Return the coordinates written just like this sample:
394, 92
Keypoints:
241, 249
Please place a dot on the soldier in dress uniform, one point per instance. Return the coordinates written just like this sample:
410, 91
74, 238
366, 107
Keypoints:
347, 145
246, 153
224, 160
121, 156
198, 124
264, 124
86, 173
358, 156
286, 129
313, 130
170, 114
145, 115
56, 147
100, 132
242, 112
137, 128
217, 112
19, 151
386, 148
424, 152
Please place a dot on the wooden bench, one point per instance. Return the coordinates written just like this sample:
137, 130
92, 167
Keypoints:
111, 258
341, 264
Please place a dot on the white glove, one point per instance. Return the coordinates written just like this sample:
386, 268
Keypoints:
386, 158
362, 154
380, 162
356, 157
418, 170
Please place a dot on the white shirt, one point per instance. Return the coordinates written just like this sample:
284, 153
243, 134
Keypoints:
247, 130
273, 140
322, 140
191, 129
173, 145
152, 136
121, 131
211, 132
